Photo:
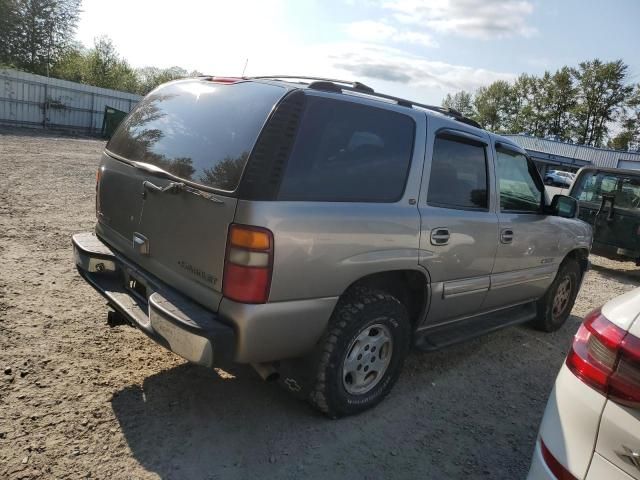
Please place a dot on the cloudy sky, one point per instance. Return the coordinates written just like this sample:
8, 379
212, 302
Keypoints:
420, 49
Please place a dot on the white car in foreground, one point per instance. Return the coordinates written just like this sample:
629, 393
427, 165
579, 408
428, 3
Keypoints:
591, 426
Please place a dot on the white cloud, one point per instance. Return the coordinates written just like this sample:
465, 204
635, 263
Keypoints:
470, 18
374, 31
393, 65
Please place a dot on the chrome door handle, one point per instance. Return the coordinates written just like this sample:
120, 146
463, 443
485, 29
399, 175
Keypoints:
506, 236
440, 236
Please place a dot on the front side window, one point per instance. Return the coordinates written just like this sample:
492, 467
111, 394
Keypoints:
587, 191
519, 192
347, 152
458, 175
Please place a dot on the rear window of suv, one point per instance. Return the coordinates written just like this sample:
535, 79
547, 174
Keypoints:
348, 152
197, 130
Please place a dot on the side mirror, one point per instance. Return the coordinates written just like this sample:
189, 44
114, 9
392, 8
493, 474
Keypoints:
564, 206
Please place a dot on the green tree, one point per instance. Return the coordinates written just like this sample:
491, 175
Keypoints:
105, 68
523, 106
461, 101
150, 77
629, 136
602, 93
560, 100
36, 33
492, 105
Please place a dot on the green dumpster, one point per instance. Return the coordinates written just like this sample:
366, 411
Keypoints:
111, 120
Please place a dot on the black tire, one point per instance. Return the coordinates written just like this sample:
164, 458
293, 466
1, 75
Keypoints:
363, 308
552, 315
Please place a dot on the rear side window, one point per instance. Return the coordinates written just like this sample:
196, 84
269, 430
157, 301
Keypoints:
458, 176
346, 152
197, 130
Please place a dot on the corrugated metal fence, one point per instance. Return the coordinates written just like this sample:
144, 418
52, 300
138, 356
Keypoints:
600, 157
36, 101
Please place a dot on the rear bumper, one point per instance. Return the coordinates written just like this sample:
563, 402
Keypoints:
243, 333
539, 469
569, 426
167, 317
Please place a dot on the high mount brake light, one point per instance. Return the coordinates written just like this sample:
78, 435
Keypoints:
225, 79
248, 264
607, 358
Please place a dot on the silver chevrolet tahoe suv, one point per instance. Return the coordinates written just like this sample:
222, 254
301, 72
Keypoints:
316, 230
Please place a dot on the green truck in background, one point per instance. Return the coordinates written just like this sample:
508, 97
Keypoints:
609, 200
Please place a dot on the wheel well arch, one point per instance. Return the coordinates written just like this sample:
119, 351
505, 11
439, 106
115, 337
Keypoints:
409, 286
580, 255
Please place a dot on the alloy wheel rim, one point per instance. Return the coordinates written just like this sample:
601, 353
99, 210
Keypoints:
562, 297
367, 359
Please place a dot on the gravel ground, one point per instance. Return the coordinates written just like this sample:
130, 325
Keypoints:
78, 399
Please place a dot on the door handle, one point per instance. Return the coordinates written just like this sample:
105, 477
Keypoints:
440, 236
506, 236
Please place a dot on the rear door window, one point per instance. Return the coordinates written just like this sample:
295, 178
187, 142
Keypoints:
200, 131
348, 152
458, 176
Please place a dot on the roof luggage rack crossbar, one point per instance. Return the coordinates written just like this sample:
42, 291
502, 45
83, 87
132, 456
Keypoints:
330, 84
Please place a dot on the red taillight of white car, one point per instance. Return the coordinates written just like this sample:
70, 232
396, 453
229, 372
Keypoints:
607, 358
248, 264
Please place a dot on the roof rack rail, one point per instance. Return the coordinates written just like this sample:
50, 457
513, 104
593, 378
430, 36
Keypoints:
321, 82
330, 84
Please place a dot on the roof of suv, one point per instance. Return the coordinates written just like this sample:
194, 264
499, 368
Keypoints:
342, 86
358, 89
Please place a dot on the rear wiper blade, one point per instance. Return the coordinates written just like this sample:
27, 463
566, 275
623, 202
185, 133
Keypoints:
177, 187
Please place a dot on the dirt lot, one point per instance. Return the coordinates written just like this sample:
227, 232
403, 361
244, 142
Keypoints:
78, 399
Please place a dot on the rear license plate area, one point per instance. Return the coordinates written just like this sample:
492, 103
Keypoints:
136, 287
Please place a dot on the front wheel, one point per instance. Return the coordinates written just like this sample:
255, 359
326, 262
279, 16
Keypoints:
362, 353
556, 305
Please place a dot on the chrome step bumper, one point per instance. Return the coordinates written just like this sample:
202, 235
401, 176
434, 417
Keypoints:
165, 315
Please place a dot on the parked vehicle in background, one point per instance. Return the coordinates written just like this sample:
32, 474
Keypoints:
591, 426
558, 178
610, 201
294, 224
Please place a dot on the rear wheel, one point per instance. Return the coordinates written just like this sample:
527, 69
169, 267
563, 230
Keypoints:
361, 354
554, 308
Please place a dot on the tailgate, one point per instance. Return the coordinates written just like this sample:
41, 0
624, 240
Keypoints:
179, 237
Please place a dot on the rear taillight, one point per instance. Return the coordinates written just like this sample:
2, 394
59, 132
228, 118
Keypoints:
248, 264
607, 358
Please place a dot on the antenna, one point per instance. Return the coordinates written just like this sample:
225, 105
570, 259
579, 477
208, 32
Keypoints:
246, 62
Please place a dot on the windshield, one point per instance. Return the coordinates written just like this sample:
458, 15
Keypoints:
197, 130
